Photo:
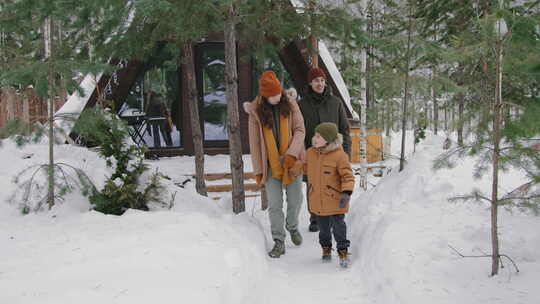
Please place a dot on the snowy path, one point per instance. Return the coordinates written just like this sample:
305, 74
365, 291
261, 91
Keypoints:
299, 276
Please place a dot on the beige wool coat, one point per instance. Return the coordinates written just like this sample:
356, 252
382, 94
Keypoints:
259, 156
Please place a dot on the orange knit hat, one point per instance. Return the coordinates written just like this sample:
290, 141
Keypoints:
269, 85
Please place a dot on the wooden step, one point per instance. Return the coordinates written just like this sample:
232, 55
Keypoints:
225, 175
246, 196
228, 187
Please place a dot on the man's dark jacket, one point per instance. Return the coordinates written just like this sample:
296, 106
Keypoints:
318, 108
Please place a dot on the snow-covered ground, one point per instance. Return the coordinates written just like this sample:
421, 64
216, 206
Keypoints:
200, 252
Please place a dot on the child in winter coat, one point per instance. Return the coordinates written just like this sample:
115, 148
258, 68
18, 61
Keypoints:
330, 186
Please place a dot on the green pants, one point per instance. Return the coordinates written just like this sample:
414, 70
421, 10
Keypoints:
274, 191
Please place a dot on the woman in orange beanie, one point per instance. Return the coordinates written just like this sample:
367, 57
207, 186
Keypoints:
276, 140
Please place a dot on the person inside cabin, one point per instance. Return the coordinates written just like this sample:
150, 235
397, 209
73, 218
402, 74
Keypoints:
318, 105
159, 120
276, 139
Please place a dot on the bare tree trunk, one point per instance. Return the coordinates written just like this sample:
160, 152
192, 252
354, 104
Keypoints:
452, 115
363, 109
314, 44
496, 154
406, 93
393, 116
193, 104
231, 86
461, 119
446, 116
26, 107
435, 103
388, 124
427, 113
314, 51
382, 115
370, 92
413, 116
49, 55
11, 101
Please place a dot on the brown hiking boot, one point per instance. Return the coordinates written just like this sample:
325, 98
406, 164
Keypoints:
326, 253
344, 257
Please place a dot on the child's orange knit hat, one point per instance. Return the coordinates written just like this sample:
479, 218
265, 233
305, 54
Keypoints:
269, 85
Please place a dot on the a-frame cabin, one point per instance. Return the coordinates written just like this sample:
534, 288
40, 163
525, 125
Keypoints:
152, 95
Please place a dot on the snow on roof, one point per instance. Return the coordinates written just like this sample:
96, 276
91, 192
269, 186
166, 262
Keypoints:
298, 3
336, 76
75, 104
126, 24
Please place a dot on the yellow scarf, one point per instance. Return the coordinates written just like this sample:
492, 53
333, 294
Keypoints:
273, 153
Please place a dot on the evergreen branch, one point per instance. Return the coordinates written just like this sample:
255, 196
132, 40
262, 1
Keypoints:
485, 256
523, 198
444, 160
523, 189
507, 103
468, 256
475, 196
66, 181
512, 261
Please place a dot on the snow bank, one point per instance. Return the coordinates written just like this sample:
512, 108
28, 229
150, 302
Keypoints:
402, 229
197, 252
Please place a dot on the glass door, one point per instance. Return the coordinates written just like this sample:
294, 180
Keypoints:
211, 84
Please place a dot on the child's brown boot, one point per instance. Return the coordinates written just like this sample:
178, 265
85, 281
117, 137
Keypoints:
343, 257
326, 253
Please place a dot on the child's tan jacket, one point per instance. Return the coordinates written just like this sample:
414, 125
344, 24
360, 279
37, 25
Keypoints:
329, 174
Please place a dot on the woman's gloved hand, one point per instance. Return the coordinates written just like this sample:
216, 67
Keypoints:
288, 161
258, 179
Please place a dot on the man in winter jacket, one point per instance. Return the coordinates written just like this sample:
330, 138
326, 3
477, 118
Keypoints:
318, 105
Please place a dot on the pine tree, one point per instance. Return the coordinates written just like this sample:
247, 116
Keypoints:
42, 48
501, 145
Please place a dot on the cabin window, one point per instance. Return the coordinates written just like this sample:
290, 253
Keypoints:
270, 62
211, 84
